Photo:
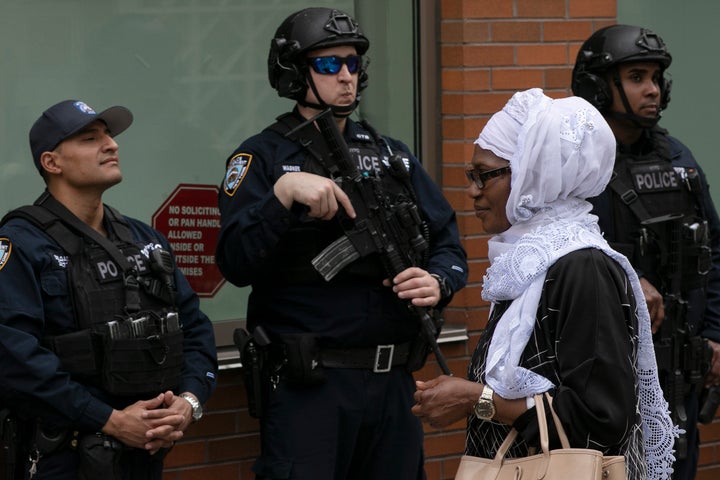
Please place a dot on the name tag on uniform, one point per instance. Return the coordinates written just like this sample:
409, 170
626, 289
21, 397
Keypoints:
655, 178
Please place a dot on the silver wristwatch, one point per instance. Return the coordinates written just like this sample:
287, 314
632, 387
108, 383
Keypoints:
197, 410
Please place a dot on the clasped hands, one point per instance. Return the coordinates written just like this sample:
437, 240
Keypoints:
151, 424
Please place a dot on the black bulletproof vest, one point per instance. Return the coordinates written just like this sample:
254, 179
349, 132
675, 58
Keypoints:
658, 222
119, 295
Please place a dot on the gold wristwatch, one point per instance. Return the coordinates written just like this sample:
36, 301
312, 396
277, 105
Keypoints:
485, 407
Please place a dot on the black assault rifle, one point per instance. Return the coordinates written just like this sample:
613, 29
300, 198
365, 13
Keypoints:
390, 227
682, 357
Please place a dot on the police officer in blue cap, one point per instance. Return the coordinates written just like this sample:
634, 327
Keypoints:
337, 388
106, 357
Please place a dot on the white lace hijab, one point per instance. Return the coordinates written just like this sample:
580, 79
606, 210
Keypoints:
561, 152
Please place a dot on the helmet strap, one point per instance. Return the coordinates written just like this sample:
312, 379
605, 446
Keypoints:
338, 111
630, 115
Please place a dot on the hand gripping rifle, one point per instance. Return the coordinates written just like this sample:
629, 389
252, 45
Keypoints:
711, 400
392, 228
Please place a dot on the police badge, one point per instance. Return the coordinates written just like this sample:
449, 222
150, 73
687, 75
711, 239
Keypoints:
5, 250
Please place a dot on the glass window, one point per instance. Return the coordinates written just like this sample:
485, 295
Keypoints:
194, 74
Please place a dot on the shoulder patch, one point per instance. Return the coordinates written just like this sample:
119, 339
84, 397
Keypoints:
5, 251
237, 168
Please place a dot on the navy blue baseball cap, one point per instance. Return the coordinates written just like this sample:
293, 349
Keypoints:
68, 117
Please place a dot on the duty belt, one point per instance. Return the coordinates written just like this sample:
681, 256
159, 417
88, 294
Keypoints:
379, 359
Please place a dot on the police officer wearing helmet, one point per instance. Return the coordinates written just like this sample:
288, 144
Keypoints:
658, 211
337, 393
107, 358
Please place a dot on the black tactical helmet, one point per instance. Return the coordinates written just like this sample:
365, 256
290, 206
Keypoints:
310, 29
609, 47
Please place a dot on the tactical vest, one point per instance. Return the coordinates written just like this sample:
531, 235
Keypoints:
129, 339
309, 237
658, 221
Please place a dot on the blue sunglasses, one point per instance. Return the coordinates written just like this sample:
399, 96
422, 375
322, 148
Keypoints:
332, 64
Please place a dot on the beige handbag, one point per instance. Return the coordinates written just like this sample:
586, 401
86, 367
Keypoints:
562, 464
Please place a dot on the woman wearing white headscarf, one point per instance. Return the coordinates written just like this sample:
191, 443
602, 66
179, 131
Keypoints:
564, 318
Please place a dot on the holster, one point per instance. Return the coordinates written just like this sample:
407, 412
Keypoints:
25, 441
10, 461
254, 357
100, 457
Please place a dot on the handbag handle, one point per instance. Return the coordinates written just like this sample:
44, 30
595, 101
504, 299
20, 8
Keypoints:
506, 445
543, 428
544, 441
542, 424
558, 425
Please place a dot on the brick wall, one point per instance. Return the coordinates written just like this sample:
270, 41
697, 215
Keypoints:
489, 50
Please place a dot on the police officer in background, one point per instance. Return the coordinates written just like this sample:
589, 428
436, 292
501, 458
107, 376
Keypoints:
657, 211
341, 389
106, 357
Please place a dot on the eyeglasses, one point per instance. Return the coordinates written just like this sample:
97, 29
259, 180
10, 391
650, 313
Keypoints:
332, 64
474, 175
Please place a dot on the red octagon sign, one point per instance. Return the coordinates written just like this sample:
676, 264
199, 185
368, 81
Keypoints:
190, 219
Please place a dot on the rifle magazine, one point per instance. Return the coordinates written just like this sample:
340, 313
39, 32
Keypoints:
335, 257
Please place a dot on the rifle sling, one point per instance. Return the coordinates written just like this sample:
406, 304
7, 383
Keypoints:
291, 127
